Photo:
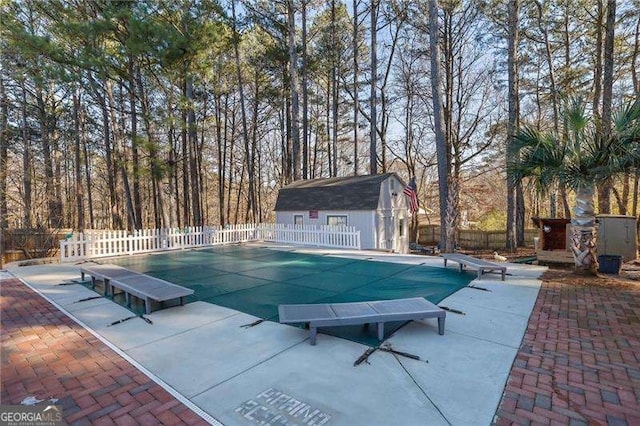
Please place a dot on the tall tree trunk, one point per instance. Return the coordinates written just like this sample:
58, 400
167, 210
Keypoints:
259, 203
288, 143
512, 125
520, 214
116, 219
57, 170
174, 182
26, 161
87, 167
254, 143
385, 112
119, 159
54, 213
194, 152
231, 162
565, 202
438, 121
624, 199
239, 197
184, 139
356, 101
328, 122
519, 191
448, 85
122, 157
604, 190
552, 75
204, 183
634, 58
334, 91
334, 115
225, 150
135, 155
373, 151
305, 95
567, 85
597, 69
553, 203
314, 163
174, 212
221, 154
4, 156
245, 134
409, 149
157, 174
282, 123
79, 190
293, 87
636, 181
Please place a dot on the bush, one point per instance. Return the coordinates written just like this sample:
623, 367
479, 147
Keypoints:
493, 220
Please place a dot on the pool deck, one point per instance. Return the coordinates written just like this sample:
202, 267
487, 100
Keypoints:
203, 356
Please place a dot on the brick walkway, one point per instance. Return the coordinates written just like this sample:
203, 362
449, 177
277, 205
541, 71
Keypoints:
579, 362
47, 355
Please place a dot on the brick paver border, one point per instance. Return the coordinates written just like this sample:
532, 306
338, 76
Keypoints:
579, 361
45, 354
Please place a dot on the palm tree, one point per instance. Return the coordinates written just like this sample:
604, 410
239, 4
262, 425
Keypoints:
580, 160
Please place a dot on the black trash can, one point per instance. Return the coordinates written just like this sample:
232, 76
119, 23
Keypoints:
610, 263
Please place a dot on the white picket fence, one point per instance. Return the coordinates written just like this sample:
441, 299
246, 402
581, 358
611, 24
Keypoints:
103, 243
344, 237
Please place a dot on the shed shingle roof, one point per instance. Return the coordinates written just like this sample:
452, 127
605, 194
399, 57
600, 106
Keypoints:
339, 193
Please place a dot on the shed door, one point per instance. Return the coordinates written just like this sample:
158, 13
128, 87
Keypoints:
398, 233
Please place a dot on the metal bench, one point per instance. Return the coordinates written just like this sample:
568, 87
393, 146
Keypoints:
379, 312
135, 284
481, 265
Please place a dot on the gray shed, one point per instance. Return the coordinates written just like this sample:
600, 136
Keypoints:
373, 204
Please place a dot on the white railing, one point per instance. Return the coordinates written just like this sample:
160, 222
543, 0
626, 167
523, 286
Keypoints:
103, 243
346, 237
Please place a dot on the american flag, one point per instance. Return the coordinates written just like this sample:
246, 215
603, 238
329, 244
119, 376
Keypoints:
411, 191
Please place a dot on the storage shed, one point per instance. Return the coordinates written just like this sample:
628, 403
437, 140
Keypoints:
374, 204
617, 235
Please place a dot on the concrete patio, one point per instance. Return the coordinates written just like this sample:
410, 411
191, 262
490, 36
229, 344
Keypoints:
269, 372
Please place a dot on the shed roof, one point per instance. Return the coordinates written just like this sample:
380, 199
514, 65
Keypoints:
339, 193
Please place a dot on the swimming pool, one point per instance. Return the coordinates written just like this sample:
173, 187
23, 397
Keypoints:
255, 280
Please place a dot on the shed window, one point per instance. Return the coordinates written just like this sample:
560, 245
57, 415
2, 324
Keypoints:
335, 220
297, 219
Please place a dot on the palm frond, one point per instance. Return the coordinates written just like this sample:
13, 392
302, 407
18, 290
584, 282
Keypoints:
575, 114
626, 137
540, 158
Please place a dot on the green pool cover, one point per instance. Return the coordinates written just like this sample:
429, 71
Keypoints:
256, 280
